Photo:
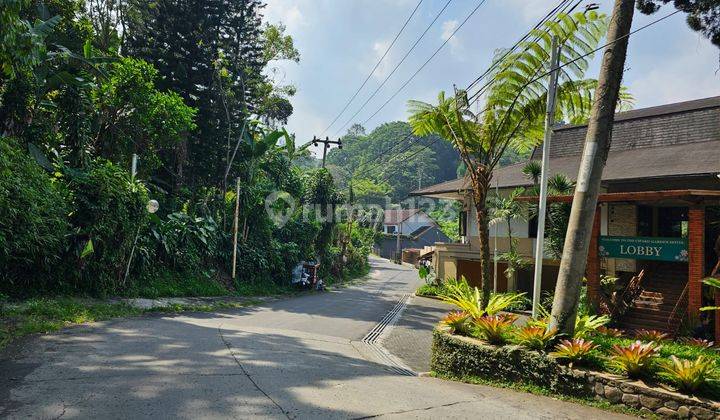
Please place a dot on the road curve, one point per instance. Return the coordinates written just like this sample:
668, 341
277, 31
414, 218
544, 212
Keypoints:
295, 358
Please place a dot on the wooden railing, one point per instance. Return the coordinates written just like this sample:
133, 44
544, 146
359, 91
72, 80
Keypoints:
679, 311
626, 299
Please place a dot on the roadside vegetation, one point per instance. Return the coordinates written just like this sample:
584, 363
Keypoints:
121, 176
690, 366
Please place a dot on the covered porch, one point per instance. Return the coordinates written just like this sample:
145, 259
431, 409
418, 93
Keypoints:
672, 245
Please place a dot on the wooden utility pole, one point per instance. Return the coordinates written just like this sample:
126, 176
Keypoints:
597, 144
235, 227
398, 256
542, 208
326, 145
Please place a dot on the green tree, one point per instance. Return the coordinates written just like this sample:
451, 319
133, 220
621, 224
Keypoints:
377, 157
514, 110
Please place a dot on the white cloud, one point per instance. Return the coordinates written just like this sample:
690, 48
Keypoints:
385, 67
689, 74
287, 13
448, 27
531, 10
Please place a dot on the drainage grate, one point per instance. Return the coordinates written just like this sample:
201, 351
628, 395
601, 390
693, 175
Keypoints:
373, 339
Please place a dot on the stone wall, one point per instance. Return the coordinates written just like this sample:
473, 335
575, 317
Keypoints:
463, 356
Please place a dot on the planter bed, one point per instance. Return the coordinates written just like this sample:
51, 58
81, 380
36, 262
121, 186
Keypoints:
460, 356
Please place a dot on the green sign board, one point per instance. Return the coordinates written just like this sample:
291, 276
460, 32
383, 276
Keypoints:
644, 248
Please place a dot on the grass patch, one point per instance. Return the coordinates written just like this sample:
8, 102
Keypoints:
171, 284
536, 390
42, 315
430, 290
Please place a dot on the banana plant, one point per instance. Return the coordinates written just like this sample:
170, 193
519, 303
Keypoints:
257, 143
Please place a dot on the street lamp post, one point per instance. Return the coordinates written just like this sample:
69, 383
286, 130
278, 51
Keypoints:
152, 207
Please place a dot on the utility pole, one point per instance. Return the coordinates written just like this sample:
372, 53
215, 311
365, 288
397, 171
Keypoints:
597, 144
235, 227
397, 244
326, 145
549, 122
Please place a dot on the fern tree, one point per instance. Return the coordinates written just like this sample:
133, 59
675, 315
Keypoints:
514, 106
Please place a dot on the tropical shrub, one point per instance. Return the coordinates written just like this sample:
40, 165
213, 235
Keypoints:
33, 222
186, 243
698, 342
574, 350
636, 359
689, 375
610, 332
495, 329
534, 338
587, 324
460, 294
503, 301
469, 299
457, 322
109, 211
651, 335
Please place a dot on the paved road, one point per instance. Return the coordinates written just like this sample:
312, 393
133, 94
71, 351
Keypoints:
298, 358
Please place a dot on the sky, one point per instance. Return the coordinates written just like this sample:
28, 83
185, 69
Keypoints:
341, 40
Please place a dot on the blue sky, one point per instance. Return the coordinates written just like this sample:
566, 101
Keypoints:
341, 40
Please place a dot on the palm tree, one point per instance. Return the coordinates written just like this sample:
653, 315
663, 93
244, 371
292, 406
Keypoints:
513, 112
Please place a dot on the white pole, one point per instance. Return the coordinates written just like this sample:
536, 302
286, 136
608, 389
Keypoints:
133, 165
495, 251
549, 122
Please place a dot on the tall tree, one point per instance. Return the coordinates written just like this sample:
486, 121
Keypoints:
514, 108
597, 145
211, 52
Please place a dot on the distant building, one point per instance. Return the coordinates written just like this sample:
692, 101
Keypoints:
658, 212
416, 230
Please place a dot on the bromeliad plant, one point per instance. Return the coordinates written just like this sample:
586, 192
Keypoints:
636, 359
460, 294
689, 375
575, 350
494, 329
469, 299
457, 322
587, 324
651, 335
610, 332
698, 342
534, 338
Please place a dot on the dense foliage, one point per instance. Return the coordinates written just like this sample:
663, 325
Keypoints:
418, 161
187, 87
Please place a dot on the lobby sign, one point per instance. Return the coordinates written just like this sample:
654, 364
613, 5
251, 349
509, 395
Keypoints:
644, 248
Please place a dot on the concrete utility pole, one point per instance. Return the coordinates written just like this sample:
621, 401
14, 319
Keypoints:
549, 122
597, 144
326, 145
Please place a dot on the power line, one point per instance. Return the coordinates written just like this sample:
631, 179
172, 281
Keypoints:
427, 61
387, 50
538, 77
417, 41
562, 5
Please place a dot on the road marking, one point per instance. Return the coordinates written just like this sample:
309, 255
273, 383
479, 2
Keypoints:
373, 339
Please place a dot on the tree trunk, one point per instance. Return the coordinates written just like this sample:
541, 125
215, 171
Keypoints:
597, 144
480, 191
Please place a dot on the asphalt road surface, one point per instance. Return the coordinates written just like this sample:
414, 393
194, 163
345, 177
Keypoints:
297, 358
